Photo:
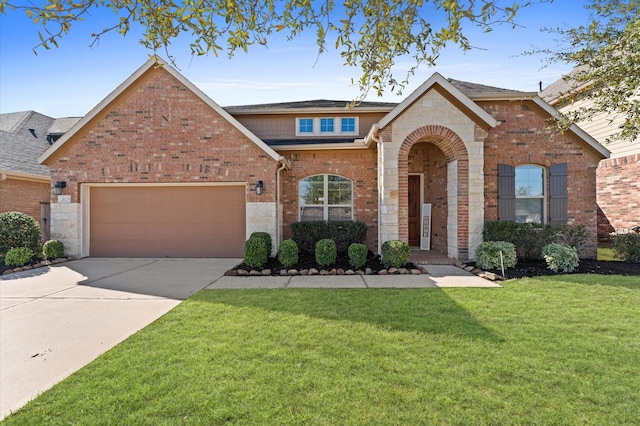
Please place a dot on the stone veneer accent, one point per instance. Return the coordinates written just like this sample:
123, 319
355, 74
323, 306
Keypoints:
66, 227
261, 217
434, 119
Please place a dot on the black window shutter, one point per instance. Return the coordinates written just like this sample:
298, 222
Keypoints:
506, 193
558, 193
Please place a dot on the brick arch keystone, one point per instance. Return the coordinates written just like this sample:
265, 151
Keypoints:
454, 149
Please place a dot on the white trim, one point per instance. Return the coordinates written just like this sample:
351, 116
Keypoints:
24, 176
325, 206
545, 190
437, 79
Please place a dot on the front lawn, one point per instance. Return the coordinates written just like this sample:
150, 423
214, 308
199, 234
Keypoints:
552, 350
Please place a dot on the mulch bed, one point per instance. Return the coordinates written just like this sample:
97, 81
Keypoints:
537, 268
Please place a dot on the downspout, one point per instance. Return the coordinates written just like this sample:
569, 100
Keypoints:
374, 136
283, 165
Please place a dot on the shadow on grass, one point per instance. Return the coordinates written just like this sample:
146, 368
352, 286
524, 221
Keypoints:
429, 311
631, 282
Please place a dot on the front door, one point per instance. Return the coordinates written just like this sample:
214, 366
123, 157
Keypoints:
414, 210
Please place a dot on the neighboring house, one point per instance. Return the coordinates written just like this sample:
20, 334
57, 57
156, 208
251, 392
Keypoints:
25, 184
618, 178
159, 169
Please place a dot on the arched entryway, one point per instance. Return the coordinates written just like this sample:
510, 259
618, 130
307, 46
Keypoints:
433, 167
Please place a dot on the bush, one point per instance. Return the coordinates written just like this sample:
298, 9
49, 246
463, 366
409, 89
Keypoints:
488, 255
530, 238
627, 247
344, 233
561, 257
19, 230
53, 249
288, 253
18, 256
395, 253
326, 252
358, 255
256, 252
266, 237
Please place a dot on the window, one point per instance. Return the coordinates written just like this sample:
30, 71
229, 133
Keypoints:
525, 194
326, 125
348, 125
305, 125
530, 194
325, 197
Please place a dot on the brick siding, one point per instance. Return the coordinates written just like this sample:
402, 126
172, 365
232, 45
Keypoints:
24, 196
358, 165
524, 137
159, 131
618, 194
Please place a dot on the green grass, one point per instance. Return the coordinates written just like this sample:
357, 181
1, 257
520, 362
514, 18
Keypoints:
607, 253
554, 350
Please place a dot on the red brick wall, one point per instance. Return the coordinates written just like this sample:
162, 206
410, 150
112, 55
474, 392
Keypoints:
358, 165
159, 131
428, 159
618, 194
23, 196
524, 137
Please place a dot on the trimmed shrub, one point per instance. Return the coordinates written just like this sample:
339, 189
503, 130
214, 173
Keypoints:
627, 247
326, 252
358, 255
344, 233
53, 249
395, 253
19, 230
266, 237
530, 238
256, 252
488, 255
18, 256
561, 257
288, 253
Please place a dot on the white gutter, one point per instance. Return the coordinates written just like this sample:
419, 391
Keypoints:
375, 137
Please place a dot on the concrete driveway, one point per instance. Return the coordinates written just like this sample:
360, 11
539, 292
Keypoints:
55, 320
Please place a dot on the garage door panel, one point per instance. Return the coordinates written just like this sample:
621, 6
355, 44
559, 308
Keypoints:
167, 221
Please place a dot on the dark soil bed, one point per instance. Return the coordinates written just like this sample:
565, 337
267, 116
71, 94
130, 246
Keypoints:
536, 268
308, 261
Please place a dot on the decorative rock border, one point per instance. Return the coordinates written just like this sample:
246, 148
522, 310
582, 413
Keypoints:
479, 272
37, 265
418, 270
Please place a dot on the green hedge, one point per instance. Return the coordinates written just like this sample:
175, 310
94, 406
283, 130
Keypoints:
488, 255
19, 230
266, 237
530, 238
395, 253
288, 253
561, 257
53, 249
256, 252
18, 256
627, 247
344, 233
326, 252
358, 255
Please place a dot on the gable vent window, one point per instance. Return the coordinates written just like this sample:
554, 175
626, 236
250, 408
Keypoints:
327, 126
325, 197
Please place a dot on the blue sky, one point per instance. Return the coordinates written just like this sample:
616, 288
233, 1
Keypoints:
72, 79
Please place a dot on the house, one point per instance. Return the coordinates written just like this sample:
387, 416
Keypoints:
25, 184
159, 169
618, 177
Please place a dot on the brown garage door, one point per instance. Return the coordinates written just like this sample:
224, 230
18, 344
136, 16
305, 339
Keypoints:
167, 221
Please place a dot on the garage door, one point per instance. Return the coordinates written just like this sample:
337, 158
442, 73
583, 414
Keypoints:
167, 221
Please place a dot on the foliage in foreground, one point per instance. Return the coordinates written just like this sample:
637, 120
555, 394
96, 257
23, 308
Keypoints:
18, 256
533, 352
496, 255
18, 229
560, 257
627, 247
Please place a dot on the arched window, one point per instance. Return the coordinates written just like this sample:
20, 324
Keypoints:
325, 197
530, 194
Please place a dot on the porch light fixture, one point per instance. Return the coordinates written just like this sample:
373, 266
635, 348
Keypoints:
58, 187
259, 187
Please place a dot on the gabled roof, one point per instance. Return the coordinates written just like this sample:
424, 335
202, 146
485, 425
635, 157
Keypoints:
151, 63
436, 80
566, 85
482, 91
23, 137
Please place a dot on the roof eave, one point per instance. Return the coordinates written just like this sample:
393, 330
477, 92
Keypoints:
290, 111
590, 140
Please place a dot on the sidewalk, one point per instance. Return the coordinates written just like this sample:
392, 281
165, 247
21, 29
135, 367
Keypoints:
439, 276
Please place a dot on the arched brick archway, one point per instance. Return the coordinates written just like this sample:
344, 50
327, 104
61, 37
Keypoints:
454, 149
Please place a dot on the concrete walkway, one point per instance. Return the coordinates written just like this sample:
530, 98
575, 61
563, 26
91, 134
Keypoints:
57, 319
